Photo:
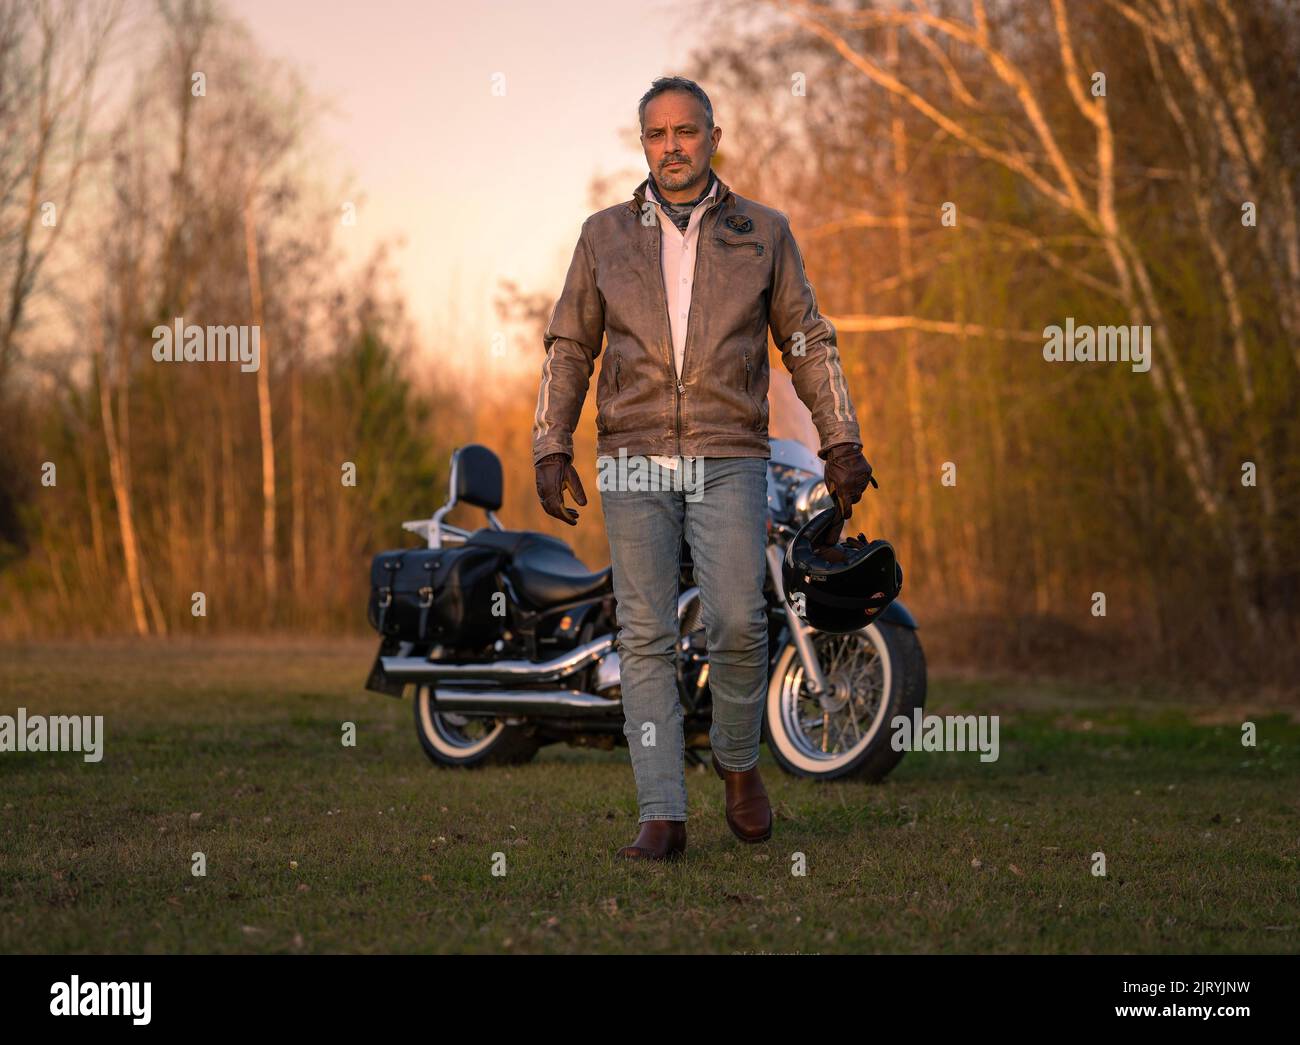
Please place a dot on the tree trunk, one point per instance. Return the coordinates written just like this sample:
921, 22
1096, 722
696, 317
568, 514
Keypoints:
118, 475
263, 408
916, 422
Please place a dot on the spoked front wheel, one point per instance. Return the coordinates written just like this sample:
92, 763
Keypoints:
873, 675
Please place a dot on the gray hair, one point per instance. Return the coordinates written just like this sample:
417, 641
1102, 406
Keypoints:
675, 83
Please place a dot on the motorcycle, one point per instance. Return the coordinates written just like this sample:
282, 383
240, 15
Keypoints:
551, 672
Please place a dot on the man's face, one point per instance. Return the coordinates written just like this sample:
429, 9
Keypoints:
677, 147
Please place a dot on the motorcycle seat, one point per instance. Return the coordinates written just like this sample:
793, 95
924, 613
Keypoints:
543, 568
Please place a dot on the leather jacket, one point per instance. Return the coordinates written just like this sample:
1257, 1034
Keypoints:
749, 278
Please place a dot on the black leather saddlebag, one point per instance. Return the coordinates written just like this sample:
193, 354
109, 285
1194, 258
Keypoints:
440, 595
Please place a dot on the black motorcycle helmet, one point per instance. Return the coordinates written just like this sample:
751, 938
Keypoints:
845, 586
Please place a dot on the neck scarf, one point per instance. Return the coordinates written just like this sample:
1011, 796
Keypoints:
680, 213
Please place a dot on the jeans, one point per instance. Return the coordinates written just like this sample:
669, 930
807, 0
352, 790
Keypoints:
723, 518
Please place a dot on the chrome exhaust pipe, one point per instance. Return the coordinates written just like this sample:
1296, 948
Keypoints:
419, 669
565, 702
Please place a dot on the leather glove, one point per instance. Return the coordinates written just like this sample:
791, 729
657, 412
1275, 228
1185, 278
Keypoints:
847, 475
555, 472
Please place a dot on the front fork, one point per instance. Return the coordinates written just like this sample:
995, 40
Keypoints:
800, 632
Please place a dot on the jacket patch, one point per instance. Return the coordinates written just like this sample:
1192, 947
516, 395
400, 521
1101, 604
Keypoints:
740, 223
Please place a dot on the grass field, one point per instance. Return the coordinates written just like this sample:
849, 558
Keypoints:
233, 749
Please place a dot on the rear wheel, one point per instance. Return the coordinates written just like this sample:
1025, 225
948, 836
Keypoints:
874, 675
452, 739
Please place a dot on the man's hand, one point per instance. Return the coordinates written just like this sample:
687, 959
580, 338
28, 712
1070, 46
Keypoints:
555, 473
847, 475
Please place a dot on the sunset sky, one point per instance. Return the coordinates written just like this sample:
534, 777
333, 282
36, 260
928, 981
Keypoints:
480, 187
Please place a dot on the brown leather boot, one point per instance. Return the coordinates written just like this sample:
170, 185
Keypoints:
749, 813
657, 840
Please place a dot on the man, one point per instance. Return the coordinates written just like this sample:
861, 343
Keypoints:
685, 280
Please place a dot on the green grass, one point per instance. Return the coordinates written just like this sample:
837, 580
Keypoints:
232, 749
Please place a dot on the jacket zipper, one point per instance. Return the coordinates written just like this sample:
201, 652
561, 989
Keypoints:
678, 422
758, 247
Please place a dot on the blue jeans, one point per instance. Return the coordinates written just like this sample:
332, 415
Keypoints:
723, 518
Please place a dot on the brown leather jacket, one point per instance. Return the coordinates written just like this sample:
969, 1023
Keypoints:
749, 277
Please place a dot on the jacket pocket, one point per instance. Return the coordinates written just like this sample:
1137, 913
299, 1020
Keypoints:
742, 244
607, 395
744, 272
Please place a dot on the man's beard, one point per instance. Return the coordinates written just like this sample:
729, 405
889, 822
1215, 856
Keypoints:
677, 178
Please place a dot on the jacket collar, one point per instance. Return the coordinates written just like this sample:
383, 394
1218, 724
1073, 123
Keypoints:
722, 194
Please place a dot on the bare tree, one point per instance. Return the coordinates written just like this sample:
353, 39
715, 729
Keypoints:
51, 52
1082, 189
